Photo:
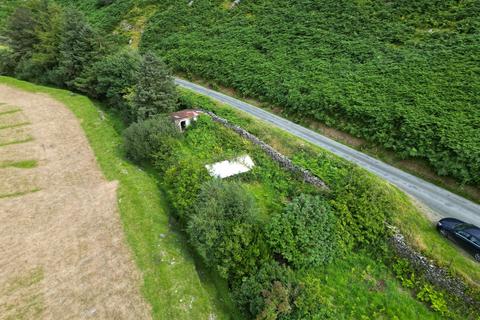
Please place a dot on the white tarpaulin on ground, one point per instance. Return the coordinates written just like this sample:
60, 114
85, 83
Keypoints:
230, 168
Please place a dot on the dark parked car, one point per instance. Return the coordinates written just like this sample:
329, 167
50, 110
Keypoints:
465, 234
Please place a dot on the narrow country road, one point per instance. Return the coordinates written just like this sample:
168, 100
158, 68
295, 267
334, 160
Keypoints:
442, 202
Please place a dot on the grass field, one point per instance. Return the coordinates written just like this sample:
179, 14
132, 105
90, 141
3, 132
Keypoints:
176, 286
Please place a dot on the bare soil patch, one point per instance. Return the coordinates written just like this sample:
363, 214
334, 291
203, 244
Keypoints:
62, 250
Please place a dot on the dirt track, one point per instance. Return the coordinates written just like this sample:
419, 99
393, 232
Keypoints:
62, 250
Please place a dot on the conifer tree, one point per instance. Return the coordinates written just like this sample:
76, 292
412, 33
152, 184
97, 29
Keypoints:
77, 48
155, 91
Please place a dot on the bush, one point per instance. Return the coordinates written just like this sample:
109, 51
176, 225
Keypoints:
224, 231
269, 292
304, 234
142, 140
361, 203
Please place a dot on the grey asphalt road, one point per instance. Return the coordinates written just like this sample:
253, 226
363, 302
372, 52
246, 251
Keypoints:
441, 202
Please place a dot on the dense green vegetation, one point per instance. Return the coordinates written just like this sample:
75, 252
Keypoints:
234, 226
402, 74
345, 179
252, 231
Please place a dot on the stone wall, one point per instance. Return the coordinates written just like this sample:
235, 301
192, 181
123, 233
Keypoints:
433, 273
275, 155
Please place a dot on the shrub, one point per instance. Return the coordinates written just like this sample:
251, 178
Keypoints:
155, 91
142, 140
269, 292
184, 177
304, 233
224, 231
361, 203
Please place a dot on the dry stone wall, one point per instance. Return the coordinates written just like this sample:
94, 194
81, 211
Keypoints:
285, 162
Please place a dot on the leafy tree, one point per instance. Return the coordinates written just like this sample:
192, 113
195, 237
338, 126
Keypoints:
33, 34
49, 30
155, 91
304, 233
224, 231
142, 140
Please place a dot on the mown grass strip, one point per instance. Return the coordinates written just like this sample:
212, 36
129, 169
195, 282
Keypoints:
18, 194
16, 125
10, 111
16, 142
25, 164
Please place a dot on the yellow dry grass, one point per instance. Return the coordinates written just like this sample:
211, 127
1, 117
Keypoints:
63, 253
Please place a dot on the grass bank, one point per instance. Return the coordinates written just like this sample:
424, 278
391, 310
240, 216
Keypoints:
175, 284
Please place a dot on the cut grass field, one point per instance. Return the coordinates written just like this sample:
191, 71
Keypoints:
175, 284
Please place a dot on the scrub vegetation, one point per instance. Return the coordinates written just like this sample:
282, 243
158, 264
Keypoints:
255, 251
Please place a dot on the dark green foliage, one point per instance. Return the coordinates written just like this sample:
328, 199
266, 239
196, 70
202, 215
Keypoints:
113, 79
20, 32
155, 91
304, 233
361, 204
49, 30
143, 140
102, 3
6, 62
403, 74
34, 35
78, 45
269, 292
6, 8
224, 231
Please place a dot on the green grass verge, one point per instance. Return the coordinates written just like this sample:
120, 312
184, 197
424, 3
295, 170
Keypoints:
16, 125
10, 111
175, 284
18, 194
26, 164
3, 144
